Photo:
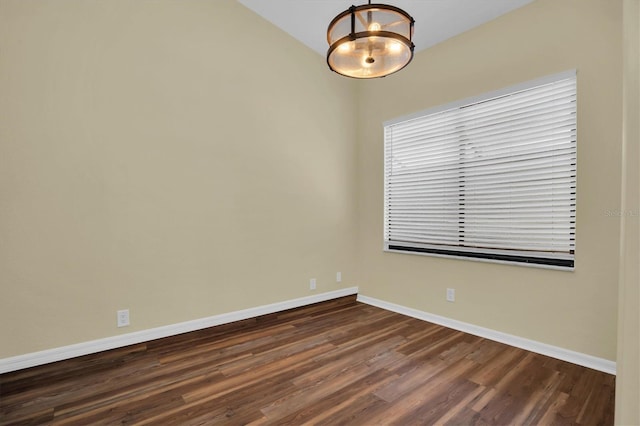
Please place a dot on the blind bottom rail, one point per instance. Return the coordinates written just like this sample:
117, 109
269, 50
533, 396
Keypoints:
563, 263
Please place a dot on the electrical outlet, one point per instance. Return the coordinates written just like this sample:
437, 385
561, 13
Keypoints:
123, 318
312, 284
451, 295
338, 277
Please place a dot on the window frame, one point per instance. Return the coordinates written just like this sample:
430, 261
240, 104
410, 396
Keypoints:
558, 261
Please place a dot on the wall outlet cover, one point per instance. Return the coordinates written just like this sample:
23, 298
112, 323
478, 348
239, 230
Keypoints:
123, 318
451, 295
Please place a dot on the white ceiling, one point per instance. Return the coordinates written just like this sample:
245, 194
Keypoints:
436, 20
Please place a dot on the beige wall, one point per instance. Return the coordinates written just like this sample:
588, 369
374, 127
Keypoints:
178, 158
155, 157
574, 310
628, 361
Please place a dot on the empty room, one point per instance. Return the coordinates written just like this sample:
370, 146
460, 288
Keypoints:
413, 212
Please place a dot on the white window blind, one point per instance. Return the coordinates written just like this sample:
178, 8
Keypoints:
491, 178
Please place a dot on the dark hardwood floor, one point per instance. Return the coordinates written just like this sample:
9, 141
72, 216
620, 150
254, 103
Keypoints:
338, 362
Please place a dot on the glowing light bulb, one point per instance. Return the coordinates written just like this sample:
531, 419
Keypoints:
344, 47
374, 26
395, 47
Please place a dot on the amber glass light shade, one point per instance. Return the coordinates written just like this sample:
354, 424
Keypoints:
370, 41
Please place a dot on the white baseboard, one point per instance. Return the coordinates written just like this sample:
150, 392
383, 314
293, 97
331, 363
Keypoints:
66, 352
588, 361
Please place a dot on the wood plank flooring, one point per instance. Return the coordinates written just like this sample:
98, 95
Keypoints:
333, 363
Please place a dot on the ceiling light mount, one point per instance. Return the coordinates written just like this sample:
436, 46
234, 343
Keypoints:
370, 41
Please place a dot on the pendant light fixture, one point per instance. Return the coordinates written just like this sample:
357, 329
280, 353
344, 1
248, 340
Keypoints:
370, 41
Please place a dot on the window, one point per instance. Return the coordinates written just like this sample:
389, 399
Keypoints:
490, 178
